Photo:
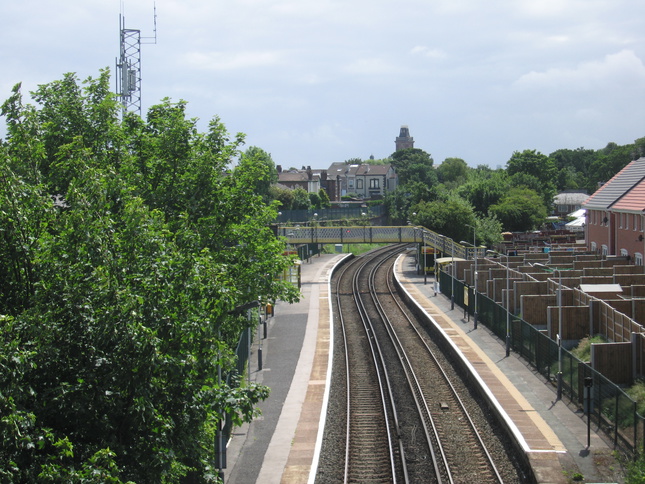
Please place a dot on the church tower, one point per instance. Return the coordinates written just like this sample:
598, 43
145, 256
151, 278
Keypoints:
404, 140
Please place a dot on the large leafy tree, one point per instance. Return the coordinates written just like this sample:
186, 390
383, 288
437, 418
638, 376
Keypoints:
453, 172
127, 249
449, 217
414, 165
532, 169
260, 158
521, 209
574, 168
484, 188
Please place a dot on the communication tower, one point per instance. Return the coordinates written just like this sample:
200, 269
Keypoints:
128, 65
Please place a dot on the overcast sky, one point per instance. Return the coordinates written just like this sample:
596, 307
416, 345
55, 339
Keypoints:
318, 81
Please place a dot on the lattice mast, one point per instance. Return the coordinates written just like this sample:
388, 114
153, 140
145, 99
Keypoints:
128, 65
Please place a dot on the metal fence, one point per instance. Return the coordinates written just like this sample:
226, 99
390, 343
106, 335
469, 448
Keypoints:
611, 410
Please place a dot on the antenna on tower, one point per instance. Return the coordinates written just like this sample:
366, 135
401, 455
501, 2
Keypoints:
128, 65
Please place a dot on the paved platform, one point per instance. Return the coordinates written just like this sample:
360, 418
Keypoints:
281, 446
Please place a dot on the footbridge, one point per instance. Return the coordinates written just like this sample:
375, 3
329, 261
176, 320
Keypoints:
314, 234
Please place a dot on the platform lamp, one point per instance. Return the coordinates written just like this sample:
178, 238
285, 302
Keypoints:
559, 335
452, 290
475, 284
508, 308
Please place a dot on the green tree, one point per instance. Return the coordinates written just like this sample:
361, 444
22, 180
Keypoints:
324, 198
536, 167
484, 189
448, 217
284, 196
414, 165
574, 168
399, 201
261, 158
521, 209
301, 199
453, 172
119, 301
609, 161
314, 200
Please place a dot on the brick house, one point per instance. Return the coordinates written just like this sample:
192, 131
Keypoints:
616, 212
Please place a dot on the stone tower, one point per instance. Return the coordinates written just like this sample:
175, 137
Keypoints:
404, 140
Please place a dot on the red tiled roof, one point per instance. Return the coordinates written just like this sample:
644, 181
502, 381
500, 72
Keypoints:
633, 200
615, 189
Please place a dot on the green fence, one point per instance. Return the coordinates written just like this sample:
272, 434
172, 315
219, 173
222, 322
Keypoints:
612, 411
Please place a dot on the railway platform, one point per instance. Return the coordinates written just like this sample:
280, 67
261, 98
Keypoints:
280, 446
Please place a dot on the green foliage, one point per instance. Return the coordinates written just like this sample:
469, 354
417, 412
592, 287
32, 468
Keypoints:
414, 165
485, 188
314, 201
284, 196
118, 302
521, 209
583, 350
324, 198
533, 170
453, 172
636, 471
448, 217
301, 199
266, 170
637, 393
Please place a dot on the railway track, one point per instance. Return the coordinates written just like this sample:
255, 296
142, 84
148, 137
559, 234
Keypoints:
404, 420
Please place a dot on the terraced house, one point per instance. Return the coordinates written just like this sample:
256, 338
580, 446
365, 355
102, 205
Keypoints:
616, 215
365, 181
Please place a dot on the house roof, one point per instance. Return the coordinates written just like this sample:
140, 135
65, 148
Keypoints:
340, 168
622, 183
633, 201
296, 176
375, 170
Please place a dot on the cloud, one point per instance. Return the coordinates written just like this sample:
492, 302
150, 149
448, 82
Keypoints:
370, 66
624, 67
423, 51
226, 61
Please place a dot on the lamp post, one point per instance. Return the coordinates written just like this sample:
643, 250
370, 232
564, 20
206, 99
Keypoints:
559, 390
559, 335
508, 309
452, 290
475, 284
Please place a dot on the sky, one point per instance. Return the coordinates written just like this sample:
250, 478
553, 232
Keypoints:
313, 82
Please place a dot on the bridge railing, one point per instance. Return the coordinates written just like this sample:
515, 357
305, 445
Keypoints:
315, 234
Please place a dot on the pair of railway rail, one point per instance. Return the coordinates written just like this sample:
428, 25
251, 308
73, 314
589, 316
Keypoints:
405, 421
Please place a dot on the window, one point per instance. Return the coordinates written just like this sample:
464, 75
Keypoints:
350, 183
594, 247
359, 184
374, 183
624, 253
604, 250
638, 259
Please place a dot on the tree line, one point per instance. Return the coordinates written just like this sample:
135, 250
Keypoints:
452, 197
